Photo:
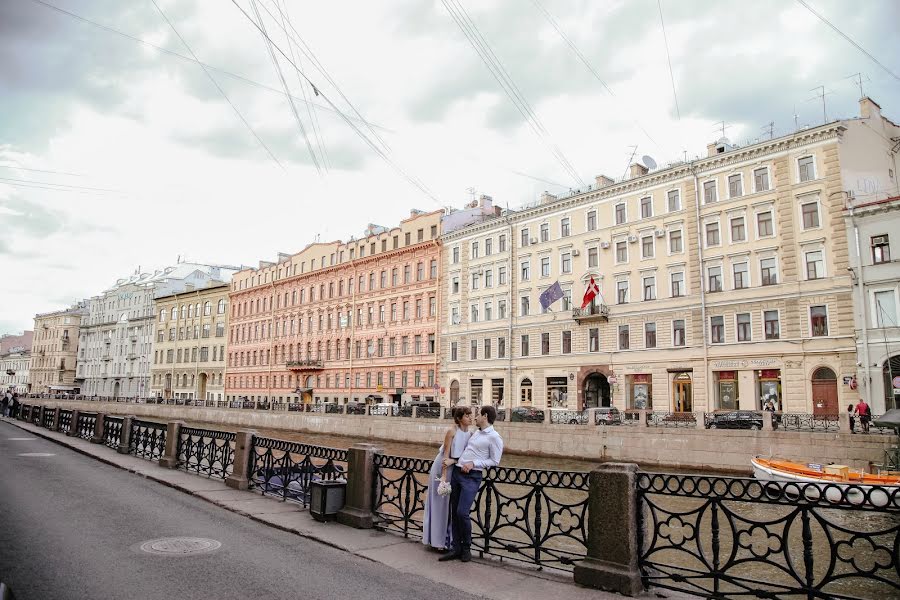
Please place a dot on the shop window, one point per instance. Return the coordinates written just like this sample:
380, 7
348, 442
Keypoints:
726, 389
639, 388
525, 392
557, 391
768, 383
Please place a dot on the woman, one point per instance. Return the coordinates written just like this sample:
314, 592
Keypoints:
852, 419
436, 527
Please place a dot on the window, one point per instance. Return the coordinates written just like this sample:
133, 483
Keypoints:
623, 337
454, 285
501, 275
454, 351
810, 213
646, 207
488, 246
591, 220
674, 200
525, 345
407, 274
677, 284
420, 272
594, 339
621, 252
545, 343
620, 213
675, 245
473, 350
709, 192
764, 224
487, 347
735, 186
526, 271
815, 265
502, 243
806, 168
885, 309
622, 291
650, 335
678, 338
566, 265
545, 266
738, 230
487, 311
593, 259
771, 324
524, 237
545, 232
434, 269
743, 327
761, 179
768, 271
717, 330
564, 227
473, 312
525, 305
489, 278
474, 249
741, 276
501, 347
818, 320
649, 286
476, 281
712, 233
648, 247
455, 258
501, 309
714, 277
881, 249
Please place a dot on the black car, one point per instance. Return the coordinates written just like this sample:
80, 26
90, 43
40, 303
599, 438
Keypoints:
736, 419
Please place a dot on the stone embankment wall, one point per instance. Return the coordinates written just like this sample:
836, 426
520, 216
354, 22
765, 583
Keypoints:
651, 446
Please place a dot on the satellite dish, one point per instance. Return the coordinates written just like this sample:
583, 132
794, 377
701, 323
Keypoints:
648, 161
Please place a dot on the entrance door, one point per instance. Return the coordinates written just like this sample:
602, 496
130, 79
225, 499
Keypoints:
116, 390
824, 392
454, 393
201, 387
682, 395
596, 391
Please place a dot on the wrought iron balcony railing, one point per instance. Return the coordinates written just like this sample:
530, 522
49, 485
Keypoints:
309, 364
591, 312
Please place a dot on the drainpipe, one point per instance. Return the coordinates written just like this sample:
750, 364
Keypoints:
510, 272
700, 240
352, 323
271, 342
437, 316
861, 294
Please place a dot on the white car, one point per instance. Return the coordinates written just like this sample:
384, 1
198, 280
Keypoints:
384, 408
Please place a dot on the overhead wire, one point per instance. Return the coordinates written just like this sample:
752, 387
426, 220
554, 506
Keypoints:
668, 57
17, 167
57, 186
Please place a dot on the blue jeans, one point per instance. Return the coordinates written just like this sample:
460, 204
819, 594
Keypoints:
465, 488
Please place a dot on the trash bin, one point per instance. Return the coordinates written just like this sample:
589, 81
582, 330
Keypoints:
326, 498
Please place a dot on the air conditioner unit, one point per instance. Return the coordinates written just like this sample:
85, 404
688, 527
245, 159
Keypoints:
576, 252
534, 240
632, 239
879, 240
660, 232
604, 245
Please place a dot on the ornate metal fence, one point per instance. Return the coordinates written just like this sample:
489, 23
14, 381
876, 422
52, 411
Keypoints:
65, 421
86, 424
36, 415
671, 419
48, 419
112, 431
720, 537
529, 515
806, 422
206, 452
286, 469
571, 417
148, 439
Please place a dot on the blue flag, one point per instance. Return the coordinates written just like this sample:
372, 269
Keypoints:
551, 295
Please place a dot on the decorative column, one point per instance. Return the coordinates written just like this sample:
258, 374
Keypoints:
99, 425
243, 450
357, 511
173, 433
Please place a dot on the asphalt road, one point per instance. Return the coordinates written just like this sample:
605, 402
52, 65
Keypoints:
71, 527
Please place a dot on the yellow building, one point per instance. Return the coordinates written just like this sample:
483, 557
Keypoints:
55, 349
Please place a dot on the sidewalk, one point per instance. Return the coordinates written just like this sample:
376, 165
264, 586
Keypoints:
489, 578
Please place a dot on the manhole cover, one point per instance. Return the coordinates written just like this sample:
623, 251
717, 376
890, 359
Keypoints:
21, 439
36, 454
179, 546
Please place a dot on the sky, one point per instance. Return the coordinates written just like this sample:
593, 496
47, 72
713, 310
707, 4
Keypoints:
133, 132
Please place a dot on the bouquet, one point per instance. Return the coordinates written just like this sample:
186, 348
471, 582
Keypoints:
444, 488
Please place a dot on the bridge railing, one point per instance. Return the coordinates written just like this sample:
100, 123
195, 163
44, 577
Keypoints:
287, 469
206, 452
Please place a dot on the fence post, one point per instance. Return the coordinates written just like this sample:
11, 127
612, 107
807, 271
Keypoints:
73, 425
357, 511
99, 427
612, 544
54, 425
240, 472
642, 415
173, 432
124, 446
700, 419
767, 420
41, 412
843, 422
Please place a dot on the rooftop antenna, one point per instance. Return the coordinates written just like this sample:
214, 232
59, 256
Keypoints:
724, 127
471, 191
630, 158
821, 96
858, 78
769, 128
796, 119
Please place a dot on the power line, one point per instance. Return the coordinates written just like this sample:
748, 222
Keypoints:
62, 185
668, 57
849, 39
17, 167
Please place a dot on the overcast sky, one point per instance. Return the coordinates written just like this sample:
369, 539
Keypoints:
116, 155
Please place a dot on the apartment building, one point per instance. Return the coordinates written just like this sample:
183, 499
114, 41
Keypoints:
189, 347
15, 360
55, 350
723, 283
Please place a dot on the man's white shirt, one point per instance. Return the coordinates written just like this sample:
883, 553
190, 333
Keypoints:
484, 449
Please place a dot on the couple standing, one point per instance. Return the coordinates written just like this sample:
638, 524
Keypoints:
462, 461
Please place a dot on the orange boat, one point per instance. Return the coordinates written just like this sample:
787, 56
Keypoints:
839, 483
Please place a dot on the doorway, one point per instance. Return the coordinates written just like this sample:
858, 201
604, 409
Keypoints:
201, 387
682, 393
596, 391
454, 393
116, 390
824, 392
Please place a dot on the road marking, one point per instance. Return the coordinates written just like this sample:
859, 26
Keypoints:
35, 454
180, 546
21, 439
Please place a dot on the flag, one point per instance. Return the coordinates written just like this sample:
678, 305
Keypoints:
590, 293
551, 295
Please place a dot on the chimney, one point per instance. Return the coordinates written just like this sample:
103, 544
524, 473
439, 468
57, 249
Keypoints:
636, 170
547, 197
868, 108
711, 149
603, 181
485, 201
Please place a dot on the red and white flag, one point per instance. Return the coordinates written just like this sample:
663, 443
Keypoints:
590, 293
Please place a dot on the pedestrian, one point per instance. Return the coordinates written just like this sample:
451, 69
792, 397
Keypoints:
484, 450
864, 413
852, 419
436, 526
15, 406
4, 404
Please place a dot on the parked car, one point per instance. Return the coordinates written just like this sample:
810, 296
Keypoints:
561, 414
526, 414
607, 415
736, 419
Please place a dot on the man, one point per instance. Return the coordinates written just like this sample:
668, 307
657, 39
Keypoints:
483, 451
864, 413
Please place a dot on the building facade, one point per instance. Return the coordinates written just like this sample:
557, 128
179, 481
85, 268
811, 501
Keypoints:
189, 347
340, 322
116, 338
15, 359
55, 350
723, 284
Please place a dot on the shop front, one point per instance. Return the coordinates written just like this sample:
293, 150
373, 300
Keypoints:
768, 386
557, 392
639, 391
726, 390
682, 392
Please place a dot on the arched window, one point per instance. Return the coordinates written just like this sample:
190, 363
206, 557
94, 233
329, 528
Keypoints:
190, 311
525, 391
183, 311
174, 312
207, 308
221, 308
162, 315
824, 374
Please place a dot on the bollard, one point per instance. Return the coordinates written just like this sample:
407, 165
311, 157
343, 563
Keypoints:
173, 433
357, 511
700, 420
243, 449
415, 412
612, 544
767, 420
642, 416
99, 427
73, 426
843, 422
124, 446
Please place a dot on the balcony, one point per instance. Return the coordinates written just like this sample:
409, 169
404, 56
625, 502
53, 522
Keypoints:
306, 365
591, 312
106, 357
107, 341
61, 367
131, 356
10, 372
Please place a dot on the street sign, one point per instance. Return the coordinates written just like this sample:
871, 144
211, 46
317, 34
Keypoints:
896, 381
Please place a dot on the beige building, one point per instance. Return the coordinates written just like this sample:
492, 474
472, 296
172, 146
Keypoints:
723, 283
55, 349
189, 347
15, 359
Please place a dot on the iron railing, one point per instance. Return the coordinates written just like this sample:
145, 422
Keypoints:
570, 417
87, 422
671, 419
722, 537
112, 431
528, 515
286, 469
48, 419
206, 452
35, 415
148, 439
806, 422
65, 421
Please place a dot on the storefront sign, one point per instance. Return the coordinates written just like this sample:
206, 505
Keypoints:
612, 379
770, 374
643, 378
727, 375
896, 381
751, 363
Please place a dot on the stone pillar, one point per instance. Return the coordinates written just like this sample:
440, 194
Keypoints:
243, 450
41, 410
357, 511
124, 446
54, 424
843, 422
547, 415
173, 432
700, 419
73, 426
642, 415
612, 544
767, 420
99, 426
415, 412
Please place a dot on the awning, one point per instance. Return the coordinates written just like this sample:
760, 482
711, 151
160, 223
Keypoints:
889, 419
63, 388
